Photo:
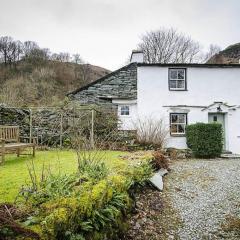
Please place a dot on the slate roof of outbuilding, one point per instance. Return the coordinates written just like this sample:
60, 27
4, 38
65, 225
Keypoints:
100, 79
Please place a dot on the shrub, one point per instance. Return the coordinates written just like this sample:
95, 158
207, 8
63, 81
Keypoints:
159, 161
97, 210
151, 133
205, 139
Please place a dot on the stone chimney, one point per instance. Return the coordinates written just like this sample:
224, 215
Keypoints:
137, 56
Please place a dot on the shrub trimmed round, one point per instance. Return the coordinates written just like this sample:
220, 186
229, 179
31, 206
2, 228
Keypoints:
205, 139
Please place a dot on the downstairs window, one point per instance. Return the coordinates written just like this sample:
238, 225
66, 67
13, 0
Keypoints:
178, 122
124, 111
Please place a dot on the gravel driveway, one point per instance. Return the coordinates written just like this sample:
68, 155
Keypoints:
205, 193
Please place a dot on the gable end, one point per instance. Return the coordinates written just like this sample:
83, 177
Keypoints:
121, 83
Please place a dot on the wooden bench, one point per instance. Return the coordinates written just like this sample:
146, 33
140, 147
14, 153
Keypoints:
10, 141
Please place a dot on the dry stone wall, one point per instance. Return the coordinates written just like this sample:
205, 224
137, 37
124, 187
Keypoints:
46, 124
15, 117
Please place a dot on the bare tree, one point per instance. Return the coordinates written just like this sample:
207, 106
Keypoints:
10, 51
14, 53
168, 46
28, 47
18, 50
5, 46
63, 57
77, 58
82, 70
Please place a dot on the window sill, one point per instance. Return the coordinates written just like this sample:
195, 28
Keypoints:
177, 90
177, 135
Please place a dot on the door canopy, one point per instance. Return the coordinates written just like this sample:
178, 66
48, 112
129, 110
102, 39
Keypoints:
219, 107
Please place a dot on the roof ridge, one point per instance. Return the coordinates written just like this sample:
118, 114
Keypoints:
237, 65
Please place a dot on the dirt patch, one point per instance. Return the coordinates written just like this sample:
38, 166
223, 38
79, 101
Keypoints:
155, 219
232, 225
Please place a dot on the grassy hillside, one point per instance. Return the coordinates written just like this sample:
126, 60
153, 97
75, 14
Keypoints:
44, 83
231, 54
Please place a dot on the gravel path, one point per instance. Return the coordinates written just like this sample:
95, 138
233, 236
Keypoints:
204, 193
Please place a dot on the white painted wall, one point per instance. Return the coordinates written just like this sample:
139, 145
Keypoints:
204, 86
127, 122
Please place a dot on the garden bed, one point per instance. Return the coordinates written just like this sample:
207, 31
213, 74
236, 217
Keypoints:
90, 197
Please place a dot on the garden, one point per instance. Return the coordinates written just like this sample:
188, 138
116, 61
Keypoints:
90, 182
75, 187
59, 195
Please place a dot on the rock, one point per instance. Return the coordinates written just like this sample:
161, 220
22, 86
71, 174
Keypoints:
163, 171
137, 226
157, 181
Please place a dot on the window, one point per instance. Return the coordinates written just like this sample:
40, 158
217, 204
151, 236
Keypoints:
124, 110
178, 122
177, 79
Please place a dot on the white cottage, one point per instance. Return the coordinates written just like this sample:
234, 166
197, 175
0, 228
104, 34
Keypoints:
180, 94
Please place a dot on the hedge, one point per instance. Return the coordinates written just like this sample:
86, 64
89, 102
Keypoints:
205, 139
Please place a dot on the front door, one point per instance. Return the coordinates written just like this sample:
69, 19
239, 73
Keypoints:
219, 118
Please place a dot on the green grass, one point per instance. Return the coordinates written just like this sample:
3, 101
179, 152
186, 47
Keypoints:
14, 172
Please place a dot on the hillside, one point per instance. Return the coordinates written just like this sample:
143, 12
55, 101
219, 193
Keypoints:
44, 83
229, 55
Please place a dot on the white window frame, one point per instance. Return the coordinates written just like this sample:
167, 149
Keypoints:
177, 124
177, 79
124, 110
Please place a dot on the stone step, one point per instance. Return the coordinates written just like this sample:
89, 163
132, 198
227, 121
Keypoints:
226, 152
230, 156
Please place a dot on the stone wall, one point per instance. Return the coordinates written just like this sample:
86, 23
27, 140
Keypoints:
15, 117
47, 123
119, 84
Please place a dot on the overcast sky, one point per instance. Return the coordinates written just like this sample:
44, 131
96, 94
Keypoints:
104, 32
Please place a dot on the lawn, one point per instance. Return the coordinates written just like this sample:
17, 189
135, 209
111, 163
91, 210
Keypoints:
14, 172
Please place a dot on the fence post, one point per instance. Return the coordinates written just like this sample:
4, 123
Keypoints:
30, 125
92, 130
61, 130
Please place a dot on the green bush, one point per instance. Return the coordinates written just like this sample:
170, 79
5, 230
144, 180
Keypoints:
205, 139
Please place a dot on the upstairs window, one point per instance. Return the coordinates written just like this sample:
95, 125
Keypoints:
177, 79
124, 111
178, 122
